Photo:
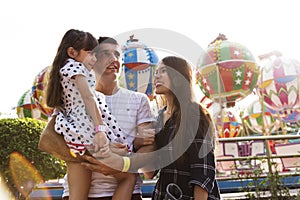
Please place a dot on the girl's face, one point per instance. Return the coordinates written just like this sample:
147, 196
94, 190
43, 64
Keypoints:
162, 80
87, 58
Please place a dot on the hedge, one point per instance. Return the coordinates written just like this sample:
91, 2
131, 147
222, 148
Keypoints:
22, 164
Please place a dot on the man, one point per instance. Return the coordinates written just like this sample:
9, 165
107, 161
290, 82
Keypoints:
131, 109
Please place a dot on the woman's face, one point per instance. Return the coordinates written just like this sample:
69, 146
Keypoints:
162, 80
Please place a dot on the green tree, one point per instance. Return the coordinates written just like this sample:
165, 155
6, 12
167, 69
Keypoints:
22, 164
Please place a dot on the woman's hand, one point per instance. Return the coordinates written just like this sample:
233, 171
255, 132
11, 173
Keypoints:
110, 165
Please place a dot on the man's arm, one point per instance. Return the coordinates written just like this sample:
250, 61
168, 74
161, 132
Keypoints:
143, 143
145, 119
148, 170
144, 135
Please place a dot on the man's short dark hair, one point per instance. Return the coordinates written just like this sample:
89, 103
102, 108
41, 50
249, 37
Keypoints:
107, 40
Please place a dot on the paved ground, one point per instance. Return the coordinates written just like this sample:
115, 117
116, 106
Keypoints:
242, 195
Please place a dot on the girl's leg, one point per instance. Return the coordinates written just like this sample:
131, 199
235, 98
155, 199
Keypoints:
125, 186
79, 180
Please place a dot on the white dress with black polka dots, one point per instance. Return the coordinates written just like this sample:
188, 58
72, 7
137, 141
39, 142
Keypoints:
74, 123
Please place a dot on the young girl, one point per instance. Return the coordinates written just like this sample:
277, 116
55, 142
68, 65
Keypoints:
71, 91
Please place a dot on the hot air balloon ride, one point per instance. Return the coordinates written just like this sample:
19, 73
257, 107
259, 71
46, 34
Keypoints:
260, 120
295, 124
38, 91
292, 120
27, 108
138, 66
279, 84
227, 124
288, 117
227, 71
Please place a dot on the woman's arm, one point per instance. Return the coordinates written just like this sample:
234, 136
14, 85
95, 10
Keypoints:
114, 163
200, 193
110, 165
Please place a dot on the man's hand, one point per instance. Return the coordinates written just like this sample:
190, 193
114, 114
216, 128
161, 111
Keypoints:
119, 148
108, 166
143, 137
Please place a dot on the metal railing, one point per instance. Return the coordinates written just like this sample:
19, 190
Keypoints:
258, 138
268, 155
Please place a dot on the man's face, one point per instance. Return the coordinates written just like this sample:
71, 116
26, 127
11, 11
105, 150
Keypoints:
107, 59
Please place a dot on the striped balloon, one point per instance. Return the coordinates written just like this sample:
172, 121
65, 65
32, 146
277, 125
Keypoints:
279, 86
38, 91
227, 124
293, 116
27, 108
138, 66
255, 120
227, 71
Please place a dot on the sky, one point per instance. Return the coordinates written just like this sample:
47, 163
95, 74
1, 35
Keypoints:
31, 30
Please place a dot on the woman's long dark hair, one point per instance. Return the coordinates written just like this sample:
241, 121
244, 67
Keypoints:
191, 118
79, 40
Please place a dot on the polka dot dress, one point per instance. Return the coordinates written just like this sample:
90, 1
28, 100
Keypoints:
74, 123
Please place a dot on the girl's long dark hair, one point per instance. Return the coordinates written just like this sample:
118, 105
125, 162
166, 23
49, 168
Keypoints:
77, 39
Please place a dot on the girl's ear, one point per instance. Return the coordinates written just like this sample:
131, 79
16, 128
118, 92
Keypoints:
72, 52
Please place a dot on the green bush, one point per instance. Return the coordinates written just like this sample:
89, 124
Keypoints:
21, 162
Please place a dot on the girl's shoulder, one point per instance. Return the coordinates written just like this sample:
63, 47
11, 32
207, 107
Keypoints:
72, 67
99, 95
71, 63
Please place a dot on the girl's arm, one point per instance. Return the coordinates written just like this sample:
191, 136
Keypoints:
89, 99
100, 139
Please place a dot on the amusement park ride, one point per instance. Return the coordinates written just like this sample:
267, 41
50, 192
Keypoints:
227, 73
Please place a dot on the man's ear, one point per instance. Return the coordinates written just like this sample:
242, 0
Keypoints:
72, 52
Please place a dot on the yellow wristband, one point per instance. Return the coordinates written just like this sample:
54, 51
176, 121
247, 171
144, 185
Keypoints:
73, 154
126, 164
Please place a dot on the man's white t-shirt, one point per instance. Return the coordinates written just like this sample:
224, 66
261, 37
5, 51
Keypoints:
130, 109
